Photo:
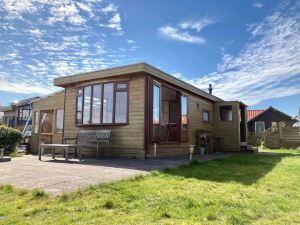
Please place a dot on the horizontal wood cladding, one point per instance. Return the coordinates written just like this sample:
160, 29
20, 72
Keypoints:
125, 138
196, 105
228, 131
51, 103
34, 141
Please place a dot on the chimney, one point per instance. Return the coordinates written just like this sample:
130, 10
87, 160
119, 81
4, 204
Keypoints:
210, 89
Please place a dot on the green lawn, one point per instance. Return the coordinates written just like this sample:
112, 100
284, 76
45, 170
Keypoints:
245, 189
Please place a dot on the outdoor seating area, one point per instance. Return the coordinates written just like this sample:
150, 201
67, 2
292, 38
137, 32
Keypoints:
83, 139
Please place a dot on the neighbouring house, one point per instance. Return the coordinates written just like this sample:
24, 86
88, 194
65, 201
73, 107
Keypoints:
18, 113
272, 127
143, 107
1, 116
261, 120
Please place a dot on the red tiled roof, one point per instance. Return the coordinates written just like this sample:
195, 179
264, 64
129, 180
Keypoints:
253, 113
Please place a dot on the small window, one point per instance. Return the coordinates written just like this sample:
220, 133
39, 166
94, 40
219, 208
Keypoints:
205, 116
59, 123
259, 127
225, 113
121, 86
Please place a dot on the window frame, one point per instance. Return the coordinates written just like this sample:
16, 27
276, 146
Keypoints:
220, 117
56, 130
208, 117
261, 122
115, 90
183, 94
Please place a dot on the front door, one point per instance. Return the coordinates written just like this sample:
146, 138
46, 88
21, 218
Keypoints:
166, 114
46, 126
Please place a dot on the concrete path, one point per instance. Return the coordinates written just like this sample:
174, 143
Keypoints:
58, 176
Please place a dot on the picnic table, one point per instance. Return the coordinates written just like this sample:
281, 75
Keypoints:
66, 148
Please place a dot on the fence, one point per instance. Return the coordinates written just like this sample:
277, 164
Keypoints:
281, 135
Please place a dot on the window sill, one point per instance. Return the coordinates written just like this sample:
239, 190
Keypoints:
168, 143
100, 125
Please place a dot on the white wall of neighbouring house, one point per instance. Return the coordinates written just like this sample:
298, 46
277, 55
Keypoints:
1, 116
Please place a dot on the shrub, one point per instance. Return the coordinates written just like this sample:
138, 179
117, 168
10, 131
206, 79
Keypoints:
9, 138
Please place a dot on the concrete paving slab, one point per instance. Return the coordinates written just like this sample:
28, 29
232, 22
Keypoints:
58, 176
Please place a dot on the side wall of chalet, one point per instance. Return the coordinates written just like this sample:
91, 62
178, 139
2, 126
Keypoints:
227, 131
127, 140
51, 103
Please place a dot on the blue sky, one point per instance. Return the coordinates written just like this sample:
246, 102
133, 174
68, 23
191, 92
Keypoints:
248, 50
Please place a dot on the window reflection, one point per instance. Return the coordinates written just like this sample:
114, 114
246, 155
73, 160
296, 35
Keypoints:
121, 107
108, 103
87, 105
96, 107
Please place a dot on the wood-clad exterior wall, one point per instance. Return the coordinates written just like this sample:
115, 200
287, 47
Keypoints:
227, 131
196, 105
50, 103
134, 138
127, 140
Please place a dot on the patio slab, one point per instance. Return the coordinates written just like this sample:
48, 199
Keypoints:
58, 176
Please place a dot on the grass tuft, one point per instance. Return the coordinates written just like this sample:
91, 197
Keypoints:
109, 204
39, 193
64, 197
166, 215
7, 188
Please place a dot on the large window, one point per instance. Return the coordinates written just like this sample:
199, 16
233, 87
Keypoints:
79, 106
96, 108
156, 112
108, 96
87, 105
225, 113
102, 104
184, 119
59, 123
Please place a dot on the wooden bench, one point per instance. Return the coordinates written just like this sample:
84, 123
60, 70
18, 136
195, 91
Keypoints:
87, 136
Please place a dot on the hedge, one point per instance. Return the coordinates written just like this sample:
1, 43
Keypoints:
9, 138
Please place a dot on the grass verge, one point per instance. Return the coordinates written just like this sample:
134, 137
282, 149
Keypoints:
244, 189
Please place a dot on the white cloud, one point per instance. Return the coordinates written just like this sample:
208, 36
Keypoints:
55, 38
115, 22
110, 8
84, 7
175, 34
197, 25
183, 31
269, 64
130, 41
258, 4
36, 32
